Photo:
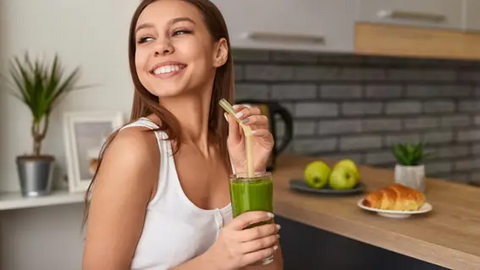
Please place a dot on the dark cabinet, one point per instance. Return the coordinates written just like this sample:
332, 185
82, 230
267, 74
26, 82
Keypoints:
306, 247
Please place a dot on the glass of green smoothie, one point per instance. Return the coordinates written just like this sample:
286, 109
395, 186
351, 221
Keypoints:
252, 194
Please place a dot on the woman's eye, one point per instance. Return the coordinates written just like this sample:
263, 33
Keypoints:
181, 32
144, 39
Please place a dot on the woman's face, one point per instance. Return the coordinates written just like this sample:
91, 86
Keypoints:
174, 50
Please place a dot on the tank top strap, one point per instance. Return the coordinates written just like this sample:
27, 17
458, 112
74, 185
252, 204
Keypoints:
141, 122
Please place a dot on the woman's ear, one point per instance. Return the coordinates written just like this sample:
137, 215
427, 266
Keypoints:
221, 53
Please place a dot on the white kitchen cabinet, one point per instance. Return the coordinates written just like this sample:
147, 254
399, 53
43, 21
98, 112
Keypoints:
445, 14
472, 19
311, 25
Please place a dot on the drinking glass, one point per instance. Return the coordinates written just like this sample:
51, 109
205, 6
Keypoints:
252, 194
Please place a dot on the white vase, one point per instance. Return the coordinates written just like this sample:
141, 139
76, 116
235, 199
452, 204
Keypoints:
411, 176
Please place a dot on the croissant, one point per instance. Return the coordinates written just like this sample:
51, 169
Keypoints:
395, 197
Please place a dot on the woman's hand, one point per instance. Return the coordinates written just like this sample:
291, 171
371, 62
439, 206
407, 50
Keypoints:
262, 139
237, 247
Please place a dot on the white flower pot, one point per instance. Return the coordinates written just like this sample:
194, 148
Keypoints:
411, 176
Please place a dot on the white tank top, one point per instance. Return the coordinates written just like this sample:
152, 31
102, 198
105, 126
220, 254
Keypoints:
175, 229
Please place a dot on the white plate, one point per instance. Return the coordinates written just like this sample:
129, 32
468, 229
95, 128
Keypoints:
426, 207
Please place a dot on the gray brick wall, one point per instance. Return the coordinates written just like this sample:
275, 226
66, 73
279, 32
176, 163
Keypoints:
357, 106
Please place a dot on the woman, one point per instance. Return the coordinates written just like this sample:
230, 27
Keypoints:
160, 200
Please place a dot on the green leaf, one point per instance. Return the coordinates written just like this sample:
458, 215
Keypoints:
410, 154
399, 155
417, 154
39, 84
404, 153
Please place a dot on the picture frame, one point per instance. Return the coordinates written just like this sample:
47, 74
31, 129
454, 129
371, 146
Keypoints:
84, 135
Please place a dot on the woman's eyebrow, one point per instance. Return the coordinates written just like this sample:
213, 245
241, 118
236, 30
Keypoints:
180, 19
172, 21
143, 25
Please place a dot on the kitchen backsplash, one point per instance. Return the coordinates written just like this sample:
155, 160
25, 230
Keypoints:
357, 106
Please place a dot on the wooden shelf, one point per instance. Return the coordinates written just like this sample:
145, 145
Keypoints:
14, 200
410, 41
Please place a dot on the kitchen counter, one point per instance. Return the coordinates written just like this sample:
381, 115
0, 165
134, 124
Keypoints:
448, 236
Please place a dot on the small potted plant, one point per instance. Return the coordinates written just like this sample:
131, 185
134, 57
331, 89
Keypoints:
410, 169
39, 85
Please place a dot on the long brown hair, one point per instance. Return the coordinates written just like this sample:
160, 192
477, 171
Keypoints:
145, 103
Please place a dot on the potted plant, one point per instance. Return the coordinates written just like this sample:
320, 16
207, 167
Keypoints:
410, 169
39, 85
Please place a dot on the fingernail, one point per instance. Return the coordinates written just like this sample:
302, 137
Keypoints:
270, 215
226, 117
239, 115
254, 131
235, 106
246, 120
278, 227
278, 235
275, 247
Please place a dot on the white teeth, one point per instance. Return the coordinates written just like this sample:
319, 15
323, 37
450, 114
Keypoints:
166, 69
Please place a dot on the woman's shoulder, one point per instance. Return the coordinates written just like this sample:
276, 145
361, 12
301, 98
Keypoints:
130, 158
134, 142
135, 145
142, 123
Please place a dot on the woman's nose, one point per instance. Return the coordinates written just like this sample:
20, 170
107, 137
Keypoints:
164, 47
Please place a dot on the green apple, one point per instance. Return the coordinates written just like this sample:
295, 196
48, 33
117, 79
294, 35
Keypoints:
317, 174
350, 164
346, 162
343, 178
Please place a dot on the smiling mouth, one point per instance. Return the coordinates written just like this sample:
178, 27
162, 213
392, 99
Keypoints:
167, 70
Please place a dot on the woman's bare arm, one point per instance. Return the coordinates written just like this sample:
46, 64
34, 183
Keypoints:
123, 187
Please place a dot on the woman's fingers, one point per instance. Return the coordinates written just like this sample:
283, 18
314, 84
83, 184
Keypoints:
259, 244
258, 120
263, 133
243, 112
233, 129
258, 232
260, 254
251, 116
248, 218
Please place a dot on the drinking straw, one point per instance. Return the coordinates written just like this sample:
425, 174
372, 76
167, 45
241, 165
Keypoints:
248, 137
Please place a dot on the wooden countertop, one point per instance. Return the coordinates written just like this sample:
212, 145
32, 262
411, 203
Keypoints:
448, 236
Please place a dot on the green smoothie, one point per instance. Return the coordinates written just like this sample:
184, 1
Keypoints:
251, 195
